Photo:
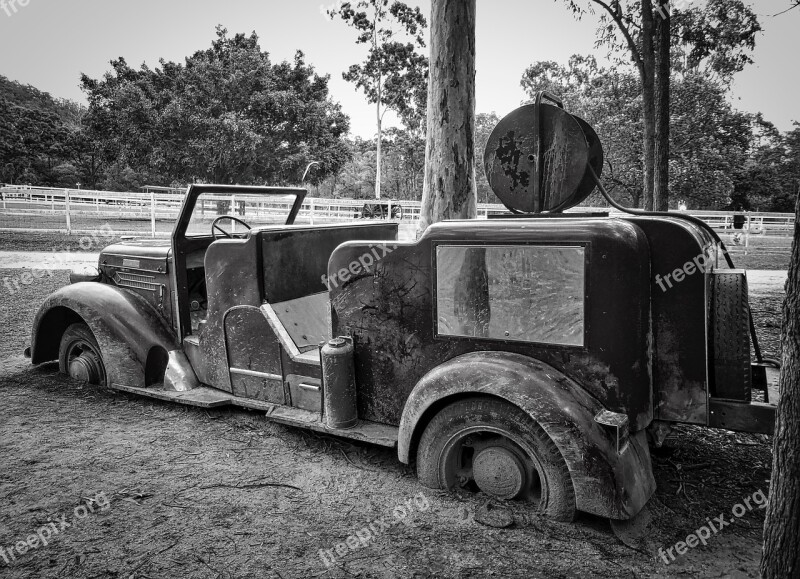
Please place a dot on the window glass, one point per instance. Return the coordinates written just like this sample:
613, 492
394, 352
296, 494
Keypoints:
255, 210
529, 293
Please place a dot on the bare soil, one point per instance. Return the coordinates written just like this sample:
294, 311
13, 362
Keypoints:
224, 493
14, 241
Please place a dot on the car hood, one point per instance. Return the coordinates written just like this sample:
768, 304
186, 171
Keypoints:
147, 255
149, 248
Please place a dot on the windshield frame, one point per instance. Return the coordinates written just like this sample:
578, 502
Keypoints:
195, 191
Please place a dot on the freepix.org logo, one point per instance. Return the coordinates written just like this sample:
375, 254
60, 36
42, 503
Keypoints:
44, 534
11, 7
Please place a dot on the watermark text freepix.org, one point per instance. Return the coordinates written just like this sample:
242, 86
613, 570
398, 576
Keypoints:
10, 7
42, 536
697, 264
704, 533
363, 536
357, 266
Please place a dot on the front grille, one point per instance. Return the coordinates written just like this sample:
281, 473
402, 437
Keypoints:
135, 281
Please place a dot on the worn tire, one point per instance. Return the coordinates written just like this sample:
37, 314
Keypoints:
466, 418
731, 337
79, 340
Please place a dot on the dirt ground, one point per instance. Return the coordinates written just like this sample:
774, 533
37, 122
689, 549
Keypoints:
159, 490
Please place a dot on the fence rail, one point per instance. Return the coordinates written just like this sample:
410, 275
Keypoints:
24, 208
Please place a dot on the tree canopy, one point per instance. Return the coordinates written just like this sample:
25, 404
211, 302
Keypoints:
228, 114
718, 160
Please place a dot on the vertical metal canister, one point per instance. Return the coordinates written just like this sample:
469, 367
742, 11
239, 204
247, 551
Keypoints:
339, 383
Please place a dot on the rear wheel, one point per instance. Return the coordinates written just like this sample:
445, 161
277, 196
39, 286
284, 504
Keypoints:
493, 446
79, 355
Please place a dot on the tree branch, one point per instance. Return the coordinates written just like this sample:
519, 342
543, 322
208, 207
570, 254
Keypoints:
617, 17
795, 5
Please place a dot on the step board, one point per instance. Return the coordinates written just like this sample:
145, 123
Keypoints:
202, 397
365, 431
205, 397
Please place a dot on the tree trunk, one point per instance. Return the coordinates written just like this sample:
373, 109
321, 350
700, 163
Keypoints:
636, 198
663, 67
378, 153
781, 556
647, 72
448, 190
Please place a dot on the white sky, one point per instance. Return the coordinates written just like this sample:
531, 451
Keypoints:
48, 43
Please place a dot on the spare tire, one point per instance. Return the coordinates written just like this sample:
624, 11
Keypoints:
730, 336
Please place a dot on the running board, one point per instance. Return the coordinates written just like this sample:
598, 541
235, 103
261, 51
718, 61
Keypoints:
205, 397
202, 397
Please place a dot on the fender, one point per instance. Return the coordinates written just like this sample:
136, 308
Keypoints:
607, 483
134, 341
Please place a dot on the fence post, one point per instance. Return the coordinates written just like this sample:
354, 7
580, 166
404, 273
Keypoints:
153, 212
312, 210
66, 211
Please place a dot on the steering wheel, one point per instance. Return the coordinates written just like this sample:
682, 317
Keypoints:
215, 227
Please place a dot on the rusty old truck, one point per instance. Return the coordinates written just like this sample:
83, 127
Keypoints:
524, 356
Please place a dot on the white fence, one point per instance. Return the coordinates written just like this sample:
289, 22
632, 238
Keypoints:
40, 209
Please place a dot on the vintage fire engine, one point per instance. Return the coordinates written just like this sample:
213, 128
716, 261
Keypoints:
523, 356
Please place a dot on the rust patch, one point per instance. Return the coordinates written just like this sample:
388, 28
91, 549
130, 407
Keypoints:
509, 155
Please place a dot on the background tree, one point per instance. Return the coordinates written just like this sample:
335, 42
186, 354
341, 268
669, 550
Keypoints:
769, 179
405, 163
225, 115
357, 177
394, 74
37, 137
661, 107
710, 141
484, 125
716, 37
449, 190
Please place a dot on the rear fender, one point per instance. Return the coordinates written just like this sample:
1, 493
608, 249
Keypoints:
607, 483
134, 342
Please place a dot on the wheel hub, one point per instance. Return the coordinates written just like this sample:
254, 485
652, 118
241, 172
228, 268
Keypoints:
85, 368
499, 472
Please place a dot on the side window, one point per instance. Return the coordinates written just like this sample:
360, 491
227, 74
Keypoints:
528, 293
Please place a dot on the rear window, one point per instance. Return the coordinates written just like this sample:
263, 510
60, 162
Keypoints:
527, 293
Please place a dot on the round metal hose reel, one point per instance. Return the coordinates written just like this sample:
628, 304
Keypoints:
538, 156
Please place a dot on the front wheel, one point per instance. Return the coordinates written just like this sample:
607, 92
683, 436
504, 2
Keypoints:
79, 355
490, 445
